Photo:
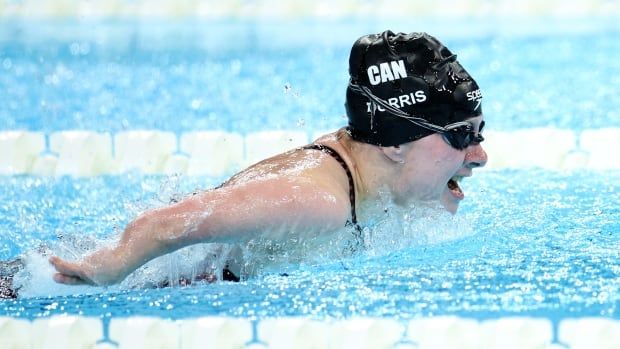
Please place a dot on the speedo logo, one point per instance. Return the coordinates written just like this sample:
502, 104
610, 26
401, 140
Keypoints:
398, 102
387, 71
475, 96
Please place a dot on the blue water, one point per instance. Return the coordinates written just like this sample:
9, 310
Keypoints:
544, 244
535, 242
188, 83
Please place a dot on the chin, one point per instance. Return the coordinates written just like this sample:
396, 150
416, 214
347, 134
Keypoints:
451, 205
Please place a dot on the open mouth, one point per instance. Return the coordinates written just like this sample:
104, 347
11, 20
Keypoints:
455, 190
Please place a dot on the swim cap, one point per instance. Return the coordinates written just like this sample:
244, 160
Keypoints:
396, 78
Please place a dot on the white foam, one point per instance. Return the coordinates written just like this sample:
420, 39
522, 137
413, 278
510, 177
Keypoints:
144, 332
262, 145
396, 227
587, 333
82, 153
212, 153
146, 151
18, 151
66, 332
35, 280
185, 263
215, 332
15, 333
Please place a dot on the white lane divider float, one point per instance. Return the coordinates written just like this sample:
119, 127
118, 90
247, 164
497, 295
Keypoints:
365, 333
297, 332
261, 145
64, 332
603, 147
444, 332
516, 333
212, 153
15, 333
19, 150
586, 333
218, 153
144, 332
145, 150
81, 153
67, 332
546, 148
215, 332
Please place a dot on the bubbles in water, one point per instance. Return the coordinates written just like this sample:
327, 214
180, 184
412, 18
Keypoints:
397, 227
7, 63
77, 49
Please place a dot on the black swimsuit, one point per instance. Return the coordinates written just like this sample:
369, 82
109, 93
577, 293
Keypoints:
358, 242
337, 157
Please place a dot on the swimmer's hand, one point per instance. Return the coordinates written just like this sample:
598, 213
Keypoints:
95, 270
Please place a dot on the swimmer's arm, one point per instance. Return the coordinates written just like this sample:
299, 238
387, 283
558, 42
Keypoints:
229, 214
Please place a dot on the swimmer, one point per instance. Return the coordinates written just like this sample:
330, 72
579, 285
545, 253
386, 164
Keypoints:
414, 132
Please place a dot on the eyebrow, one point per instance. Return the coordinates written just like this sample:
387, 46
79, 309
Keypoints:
482, 123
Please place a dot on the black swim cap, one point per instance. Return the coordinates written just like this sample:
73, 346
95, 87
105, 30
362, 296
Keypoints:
415, 76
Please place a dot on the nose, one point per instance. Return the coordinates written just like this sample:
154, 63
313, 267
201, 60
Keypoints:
475, 156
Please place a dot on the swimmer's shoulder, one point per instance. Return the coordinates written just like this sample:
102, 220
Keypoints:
299, 163
312, 178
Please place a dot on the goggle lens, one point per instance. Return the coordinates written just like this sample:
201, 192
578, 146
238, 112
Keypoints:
462, 136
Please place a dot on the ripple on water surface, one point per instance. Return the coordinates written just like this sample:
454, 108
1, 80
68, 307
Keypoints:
540, 243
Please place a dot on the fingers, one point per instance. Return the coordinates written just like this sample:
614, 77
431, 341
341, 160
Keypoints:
69, 273
64, 267
69, 280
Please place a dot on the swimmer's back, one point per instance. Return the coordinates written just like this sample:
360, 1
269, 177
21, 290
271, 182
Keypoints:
313, 181
301, 164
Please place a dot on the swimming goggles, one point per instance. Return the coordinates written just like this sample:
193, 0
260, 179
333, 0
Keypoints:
459, 135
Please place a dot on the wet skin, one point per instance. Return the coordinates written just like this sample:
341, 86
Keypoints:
302, 191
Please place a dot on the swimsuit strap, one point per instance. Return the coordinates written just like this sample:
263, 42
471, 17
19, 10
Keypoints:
337, 157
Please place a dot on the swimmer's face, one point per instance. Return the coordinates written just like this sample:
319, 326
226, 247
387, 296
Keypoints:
432, 169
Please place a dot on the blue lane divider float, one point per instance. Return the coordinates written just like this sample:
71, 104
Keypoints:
217, 153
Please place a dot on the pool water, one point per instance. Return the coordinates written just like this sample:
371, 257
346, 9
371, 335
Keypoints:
538, 247
525, 241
